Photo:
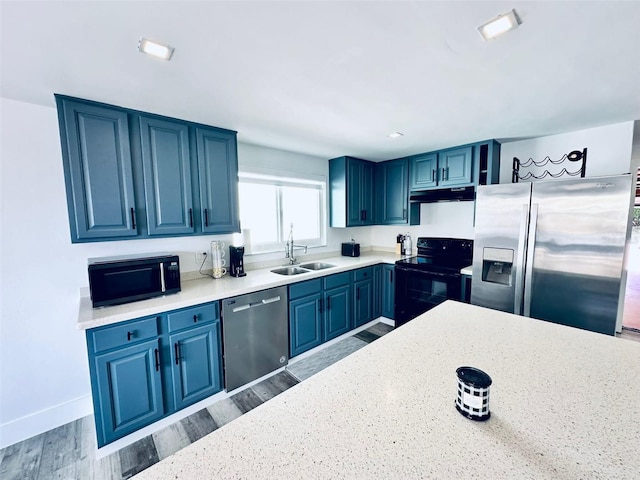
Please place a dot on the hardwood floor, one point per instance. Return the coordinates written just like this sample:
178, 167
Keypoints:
69, 451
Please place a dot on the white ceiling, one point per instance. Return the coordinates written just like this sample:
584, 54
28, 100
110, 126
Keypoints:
334, 78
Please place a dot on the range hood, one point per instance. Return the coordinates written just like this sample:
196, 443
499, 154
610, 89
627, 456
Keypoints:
459, 194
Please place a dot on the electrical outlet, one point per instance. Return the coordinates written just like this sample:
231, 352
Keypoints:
200, 257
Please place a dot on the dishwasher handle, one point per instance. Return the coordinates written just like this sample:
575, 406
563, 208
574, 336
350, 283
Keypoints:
264, 301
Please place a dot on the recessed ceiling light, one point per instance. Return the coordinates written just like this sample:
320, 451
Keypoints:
502, 24
154, 48
395, 135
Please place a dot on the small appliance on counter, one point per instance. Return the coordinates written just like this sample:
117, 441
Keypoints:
128, 278
217, 259
236, 261
399, 244
351, 249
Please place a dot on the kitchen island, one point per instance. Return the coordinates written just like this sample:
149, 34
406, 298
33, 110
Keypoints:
564, 404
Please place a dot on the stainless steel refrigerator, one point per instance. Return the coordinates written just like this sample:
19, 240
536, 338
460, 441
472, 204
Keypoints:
553, 250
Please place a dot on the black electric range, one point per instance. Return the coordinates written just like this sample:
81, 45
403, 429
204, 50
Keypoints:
431, 277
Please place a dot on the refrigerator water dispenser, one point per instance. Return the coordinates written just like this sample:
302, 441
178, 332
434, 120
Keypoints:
496, 265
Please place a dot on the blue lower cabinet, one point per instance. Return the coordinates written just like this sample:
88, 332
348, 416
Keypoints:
337, 319
129, 390
196, 369
144, 369
377, 291
305, 323
363, 296
388, 291
319, 310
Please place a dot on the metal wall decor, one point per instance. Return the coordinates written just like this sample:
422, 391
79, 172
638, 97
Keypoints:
574, 156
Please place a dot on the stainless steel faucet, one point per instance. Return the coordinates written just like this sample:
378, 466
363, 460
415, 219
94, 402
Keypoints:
291, 247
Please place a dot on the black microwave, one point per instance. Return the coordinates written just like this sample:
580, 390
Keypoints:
123, 279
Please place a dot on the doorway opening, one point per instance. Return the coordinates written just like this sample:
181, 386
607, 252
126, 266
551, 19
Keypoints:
631, 316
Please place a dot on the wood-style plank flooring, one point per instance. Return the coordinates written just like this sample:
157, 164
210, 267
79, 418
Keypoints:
69, 451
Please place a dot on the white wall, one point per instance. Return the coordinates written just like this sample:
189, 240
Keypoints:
443, 219
43, 363
608, 150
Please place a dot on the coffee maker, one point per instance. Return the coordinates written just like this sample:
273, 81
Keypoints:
236, 262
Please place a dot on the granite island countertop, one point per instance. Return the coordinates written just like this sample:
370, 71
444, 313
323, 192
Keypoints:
563, 405
208, 289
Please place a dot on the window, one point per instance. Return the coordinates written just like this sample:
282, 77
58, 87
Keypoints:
270, 204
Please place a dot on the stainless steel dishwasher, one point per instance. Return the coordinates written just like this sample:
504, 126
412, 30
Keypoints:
255, 335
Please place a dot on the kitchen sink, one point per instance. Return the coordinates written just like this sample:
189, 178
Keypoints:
290, 271
316, 266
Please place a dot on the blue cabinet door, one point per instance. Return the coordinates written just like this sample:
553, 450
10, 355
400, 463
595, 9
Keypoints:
196, 364
388, 291
360, 204
351, 192
455, 166
377, 291
166, 164
355, 211
305, 323
366, 192
98, 171
424, 171
218, 169
392, 199
337, 308
129, 390
363, 301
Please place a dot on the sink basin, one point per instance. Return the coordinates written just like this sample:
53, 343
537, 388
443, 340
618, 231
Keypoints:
289, 271
316, 266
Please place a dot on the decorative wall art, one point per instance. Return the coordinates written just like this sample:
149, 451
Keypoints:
564, 167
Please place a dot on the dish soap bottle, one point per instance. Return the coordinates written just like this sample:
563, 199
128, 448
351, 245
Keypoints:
407, 245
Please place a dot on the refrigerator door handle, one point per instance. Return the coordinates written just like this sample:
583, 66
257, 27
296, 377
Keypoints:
531, 245
522, 245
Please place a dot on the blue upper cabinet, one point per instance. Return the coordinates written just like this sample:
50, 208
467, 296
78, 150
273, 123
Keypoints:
351, 192
218, 168
121, 163
424, 171
392, 195
166, 164
446, 168
98, 171
455, 166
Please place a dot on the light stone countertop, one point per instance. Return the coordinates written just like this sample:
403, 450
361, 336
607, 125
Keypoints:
564, 405
467, 270
208, 289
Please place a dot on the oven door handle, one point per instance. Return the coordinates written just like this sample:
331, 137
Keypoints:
404, 269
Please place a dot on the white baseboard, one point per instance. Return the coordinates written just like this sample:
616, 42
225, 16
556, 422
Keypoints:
36, 423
